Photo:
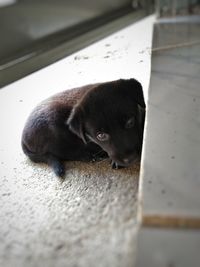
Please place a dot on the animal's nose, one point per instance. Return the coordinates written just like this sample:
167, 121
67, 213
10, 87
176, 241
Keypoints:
126, 160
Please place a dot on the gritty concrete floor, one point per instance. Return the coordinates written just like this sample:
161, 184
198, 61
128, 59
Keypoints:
89, 219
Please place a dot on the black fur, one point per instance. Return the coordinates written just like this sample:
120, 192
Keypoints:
66, 126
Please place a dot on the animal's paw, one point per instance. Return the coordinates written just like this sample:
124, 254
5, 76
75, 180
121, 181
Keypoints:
99, 156
115, 166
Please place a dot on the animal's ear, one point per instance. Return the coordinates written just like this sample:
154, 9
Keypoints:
138, 92
75, 123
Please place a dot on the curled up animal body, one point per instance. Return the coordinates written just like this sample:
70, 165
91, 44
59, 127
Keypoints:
85, 123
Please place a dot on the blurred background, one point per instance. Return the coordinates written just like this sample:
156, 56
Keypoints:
27, 25
29, 28
24, 24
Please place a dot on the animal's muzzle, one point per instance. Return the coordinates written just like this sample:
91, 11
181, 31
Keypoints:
125, 160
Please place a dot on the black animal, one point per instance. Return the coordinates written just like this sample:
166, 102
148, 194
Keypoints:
85, 123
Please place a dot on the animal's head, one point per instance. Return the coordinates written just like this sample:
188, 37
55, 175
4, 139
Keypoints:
112, 116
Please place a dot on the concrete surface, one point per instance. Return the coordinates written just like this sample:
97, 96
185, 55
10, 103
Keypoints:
90, 218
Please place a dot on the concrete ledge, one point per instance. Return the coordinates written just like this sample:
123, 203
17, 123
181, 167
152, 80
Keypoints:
169, 186
170, 168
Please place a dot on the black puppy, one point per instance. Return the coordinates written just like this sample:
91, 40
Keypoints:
80, 123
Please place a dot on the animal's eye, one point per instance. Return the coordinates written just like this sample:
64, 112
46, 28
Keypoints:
130, 123
102, 136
